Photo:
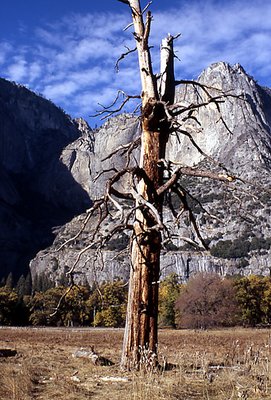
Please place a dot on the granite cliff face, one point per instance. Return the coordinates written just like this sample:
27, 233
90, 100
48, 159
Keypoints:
235, 220
49, 166
37, 190
84, 157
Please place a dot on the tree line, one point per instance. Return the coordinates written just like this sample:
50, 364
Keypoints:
205, 301
41, 303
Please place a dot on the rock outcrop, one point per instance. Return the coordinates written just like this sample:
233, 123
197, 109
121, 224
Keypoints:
242, 140
235, 220
49, 166
37, 190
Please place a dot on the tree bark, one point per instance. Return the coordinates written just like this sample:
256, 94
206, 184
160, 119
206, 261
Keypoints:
141, 331
142, 310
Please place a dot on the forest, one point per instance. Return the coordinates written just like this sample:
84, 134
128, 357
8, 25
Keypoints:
205, 301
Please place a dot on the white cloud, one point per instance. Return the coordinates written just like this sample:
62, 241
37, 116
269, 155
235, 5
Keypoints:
214, 31
5, 49
61, 87
34, 71
17, 70
91, 77
82, 51
72, 61
60, 91
96, 25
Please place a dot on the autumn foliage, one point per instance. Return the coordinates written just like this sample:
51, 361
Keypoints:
208, 301
205, 301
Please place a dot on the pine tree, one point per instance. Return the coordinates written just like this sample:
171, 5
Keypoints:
28, 285
10, 281
20, 287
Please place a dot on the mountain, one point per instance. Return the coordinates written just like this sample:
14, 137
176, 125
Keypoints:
234, 219
60, 180
37, 190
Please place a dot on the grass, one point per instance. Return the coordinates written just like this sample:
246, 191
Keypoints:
210, 365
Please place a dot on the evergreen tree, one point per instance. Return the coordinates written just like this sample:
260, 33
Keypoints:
63, 280
2, 282
42, 282
28, 285
20, 287
8, 304
10, 281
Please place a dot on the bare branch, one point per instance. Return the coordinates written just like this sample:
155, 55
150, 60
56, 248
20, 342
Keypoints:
79, 255
123, 55
64, 295
124, 148
190, 171
104, 171
178, 108
147, 6
196, 83
190, 241
177, 128
201, 206
127, 27
147, 29
182, 195
207, 174
75, 236
108, 111
141, 201
121, 195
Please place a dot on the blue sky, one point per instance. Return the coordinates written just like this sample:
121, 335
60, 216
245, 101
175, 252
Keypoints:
67, 49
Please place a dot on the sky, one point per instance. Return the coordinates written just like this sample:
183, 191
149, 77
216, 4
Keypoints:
66, 50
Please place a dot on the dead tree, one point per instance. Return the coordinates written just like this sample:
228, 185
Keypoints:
142, 310
150, 180
158, 119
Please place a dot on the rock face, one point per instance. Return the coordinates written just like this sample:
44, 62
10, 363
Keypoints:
235, 220
51, 168
37, 190
244, 144
84, 157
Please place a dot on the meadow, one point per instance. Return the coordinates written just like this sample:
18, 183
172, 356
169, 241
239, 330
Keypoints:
223, 364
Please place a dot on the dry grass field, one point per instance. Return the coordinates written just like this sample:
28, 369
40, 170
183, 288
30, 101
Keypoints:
211, 365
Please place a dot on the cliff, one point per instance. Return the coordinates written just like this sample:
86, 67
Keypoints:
37, 190
234, 219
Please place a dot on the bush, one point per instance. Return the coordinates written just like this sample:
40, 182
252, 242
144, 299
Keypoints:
207, 301
260, 243
8, 306
237, 248
254, 298
108, 303
168, 293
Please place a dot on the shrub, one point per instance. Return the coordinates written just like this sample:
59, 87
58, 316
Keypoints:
254, 298
207, 301
237, 248
168, 293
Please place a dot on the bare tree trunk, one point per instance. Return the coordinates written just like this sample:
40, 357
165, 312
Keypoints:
142, 311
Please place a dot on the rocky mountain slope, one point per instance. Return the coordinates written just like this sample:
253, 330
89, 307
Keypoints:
37, 191
49, 166
234, 219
